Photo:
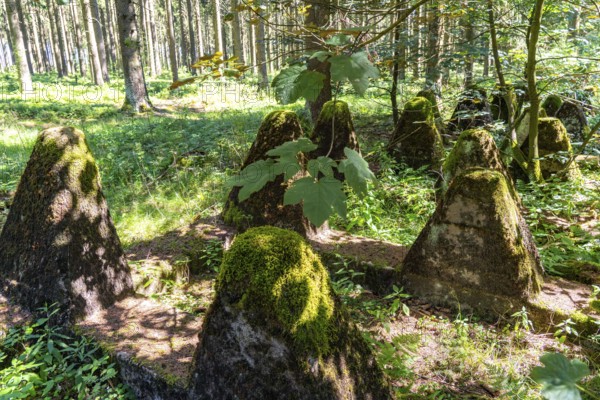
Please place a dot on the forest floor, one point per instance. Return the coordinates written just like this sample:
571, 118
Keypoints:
164, 175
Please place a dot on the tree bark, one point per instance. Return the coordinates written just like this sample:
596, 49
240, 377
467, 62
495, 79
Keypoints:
433, 76
193, 49
183, 37
533, 161
101, 46
172, 42
218, 29
62, 39
318, 18
136, 95
261, 52
25, 33
78, 38
18, 46
92, 44
236, 31
469, 32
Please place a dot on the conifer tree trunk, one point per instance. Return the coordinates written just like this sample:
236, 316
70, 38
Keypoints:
25, 33
136, 95
261, 53
200, 28
37, 56
469, 32
43, 40
184, 61
236, 31
145, 13
62, 39
155, 41
101, 46
318, 18
92, 44
112, 37
433, 74
218, 28
18, 46
172, 42
193, 49
78, 38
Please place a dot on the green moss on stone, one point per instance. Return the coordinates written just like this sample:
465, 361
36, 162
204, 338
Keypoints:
235, 217
274, 273
551, 104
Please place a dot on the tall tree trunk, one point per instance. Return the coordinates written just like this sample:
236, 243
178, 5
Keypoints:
200, 28
100, 45
533, 161
18, 46
172, 42
62, 39
191, 22
399, 63
92, 44
318, 18
218, 26
261, 52
433, 76
469, 32
39, 59
157, 52
112, 52
78, 38
25, 33
145, 13
236, 31
43, 40
182, 36
136, 95
416, 43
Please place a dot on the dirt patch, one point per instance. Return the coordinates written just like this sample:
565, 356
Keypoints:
11, 314
158, 336
377, 252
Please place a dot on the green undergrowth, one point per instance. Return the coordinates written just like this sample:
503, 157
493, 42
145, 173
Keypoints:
41, 361
563, 217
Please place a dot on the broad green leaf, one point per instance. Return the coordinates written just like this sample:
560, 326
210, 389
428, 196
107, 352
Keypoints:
308, 84
319, 198
284, 83
559, 376
323, 165
356, 68
356, 171
287, 153
254, 177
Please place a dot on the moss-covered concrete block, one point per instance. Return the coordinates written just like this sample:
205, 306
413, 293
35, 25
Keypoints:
551, 104
59, 243
333, 132
265, 207
572, 115
554, 147
416, 140
475, 148
499, 106
472, 111
276, 330
476, 252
